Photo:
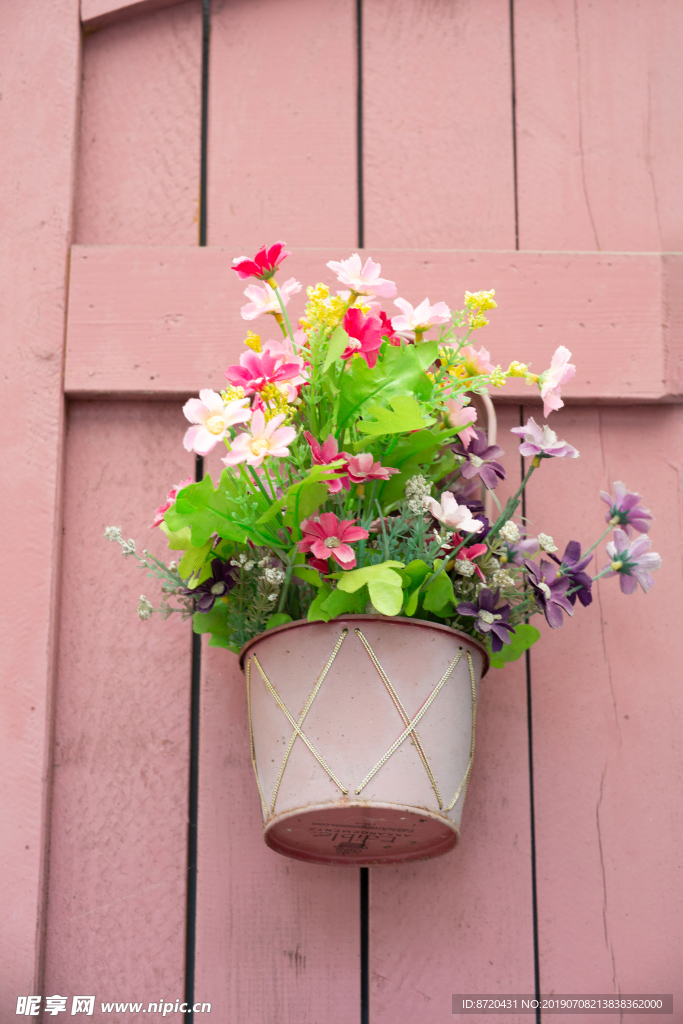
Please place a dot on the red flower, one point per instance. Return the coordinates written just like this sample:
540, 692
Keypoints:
170, 502
264, 263
388, 331
331, 537
362, 467
365, 335
323, 454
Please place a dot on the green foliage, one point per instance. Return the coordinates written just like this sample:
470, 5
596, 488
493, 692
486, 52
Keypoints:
439, 593
280, 619
303, 498
523, 638
194, 559
414, 575
383, 582
339, 339
405, 415
214, 622
401, 370
231, 510
178, 541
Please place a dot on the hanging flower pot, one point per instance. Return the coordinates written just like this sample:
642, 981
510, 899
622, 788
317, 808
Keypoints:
362, 736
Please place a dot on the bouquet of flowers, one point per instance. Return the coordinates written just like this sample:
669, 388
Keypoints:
354, 477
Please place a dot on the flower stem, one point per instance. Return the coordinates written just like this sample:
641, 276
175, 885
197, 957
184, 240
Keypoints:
284, 314
600, 538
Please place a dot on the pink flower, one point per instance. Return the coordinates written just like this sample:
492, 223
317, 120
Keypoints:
363, 280
469, 554
257, 369
542, 441
421, 318
264, 300
265, 439
448, 512
323, 454
476, 362
634, 562
212, 418
331, 537
550, 382
462, 416
362, 467
170, 502
365, 335
264, 263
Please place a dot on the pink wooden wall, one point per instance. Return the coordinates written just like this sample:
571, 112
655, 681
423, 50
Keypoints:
571, 210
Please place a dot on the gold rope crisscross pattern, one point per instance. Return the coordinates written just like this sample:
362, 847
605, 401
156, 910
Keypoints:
410, 727
295, 724
462, 788
402, 712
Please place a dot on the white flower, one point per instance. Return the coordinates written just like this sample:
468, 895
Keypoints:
448, 512
464, 566
417, 488
546, 543
501, 579
420, 318
510, 532
363, 279
113, 533
212, 419
145, 608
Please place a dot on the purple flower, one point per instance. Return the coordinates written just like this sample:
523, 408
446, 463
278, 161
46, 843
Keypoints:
480, 457
218, 584
542, 442
550, 591
489, 618
624, 509
572, 566
634, 562
516, 551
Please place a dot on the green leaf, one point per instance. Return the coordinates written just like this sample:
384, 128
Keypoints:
232, 511
276, 507
193, 559
341, 603
522, 639
309, 575
215, 621
303, 498
179, 540
278, 620
354, 579
439, 592
315, 612
405, 415
414, 575
401, 370
339, 339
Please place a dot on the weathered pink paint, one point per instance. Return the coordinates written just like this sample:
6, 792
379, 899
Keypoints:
353, 688
282, 101
118, 856
464, 923
607, 718
41, 59
138, 168
99, 13
166, 320
599, 127
437, 125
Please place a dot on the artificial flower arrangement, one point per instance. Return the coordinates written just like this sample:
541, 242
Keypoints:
354, 473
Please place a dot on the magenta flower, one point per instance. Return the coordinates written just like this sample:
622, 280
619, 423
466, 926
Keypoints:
550, 382
420, 318
263, 265
257, 369
362, 279
365, 335
170, 502
481, 458
388, 331
265, 439
490, 619
362, 467
325, 453
542, 441
212, 419
330, 537
262, 298
550, 591
634, 562
625, 511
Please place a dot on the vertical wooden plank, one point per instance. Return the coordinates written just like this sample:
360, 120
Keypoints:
39, 82
119, 823
607, 717
282, 160
437, 124
276, 939
463, 923
599, 128
138, 178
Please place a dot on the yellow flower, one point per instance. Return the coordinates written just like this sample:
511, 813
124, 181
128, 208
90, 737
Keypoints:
274, 398
480, 300
477, 320
517, 369
253, 341
231, 394
498, 377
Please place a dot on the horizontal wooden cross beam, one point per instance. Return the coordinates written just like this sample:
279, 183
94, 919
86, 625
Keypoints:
165, 321
98, 13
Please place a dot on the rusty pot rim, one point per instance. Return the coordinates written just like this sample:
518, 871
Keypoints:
398, 620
